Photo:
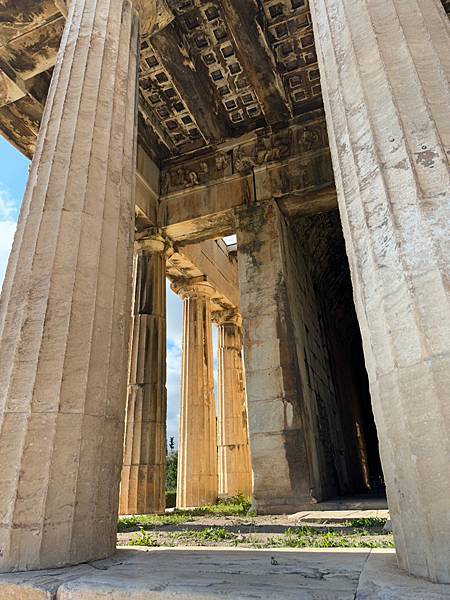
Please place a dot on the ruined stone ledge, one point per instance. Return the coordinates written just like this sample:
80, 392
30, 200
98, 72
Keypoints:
215, 573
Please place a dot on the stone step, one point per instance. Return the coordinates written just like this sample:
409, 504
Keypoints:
227, 574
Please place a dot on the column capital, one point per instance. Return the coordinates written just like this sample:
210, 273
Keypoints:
152, 241
227, 317
189, 288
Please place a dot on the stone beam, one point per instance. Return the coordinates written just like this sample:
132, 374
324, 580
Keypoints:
243, 20
212, 258
192, 81
208, 258
319, 201
14, 86
62, 6
147, 189
208, 261
206, 213
293, 166
19, 124
11, 89
202, 213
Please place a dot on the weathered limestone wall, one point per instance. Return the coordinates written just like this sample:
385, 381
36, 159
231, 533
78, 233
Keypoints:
305, 389
66, 304
323, 428
385, 67
323, 250
278, 442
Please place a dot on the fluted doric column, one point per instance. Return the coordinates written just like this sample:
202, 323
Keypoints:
234, 468
197, 454
385, 68
142, 489
66, 302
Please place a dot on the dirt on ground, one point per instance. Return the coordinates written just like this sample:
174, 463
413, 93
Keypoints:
255, 532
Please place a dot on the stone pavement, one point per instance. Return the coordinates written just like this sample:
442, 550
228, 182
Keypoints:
344, 509
336, 516
213, 574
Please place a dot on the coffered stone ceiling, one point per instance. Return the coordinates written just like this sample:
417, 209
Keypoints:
211, 70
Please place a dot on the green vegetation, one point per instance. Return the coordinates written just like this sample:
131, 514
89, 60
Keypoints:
300, 537
171, 469
209, 534
354, 533
143, 539
200, 537
307, 537
171, 499
366, 522
149, 521
237, 506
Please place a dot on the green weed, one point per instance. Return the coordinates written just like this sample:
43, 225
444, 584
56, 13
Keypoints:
143, 539
366, 522
209, 534
141, 521
306, 537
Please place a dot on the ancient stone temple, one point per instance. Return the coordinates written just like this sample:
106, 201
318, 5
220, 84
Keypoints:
318, 133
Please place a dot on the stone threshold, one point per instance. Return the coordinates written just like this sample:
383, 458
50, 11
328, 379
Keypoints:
234, 574
337, 516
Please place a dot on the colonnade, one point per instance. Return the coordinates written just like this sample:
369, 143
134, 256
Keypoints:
66, 300
213, 456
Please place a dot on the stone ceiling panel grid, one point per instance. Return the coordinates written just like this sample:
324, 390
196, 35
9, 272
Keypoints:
166, 103
215, 42
204, 25
291, 36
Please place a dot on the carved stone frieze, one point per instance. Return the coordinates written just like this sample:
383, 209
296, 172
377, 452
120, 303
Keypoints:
264, 148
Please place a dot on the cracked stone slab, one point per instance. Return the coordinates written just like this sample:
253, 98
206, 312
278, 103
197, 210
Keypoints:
39, 585
232, 574
188, 574
381, 579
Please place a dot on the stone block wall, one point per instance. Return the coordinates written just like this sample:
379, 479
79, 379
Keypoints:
306, 382
317, 394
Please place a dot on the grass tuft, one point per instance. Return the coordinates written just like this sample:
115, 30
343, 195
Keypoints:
366, 522
305, 537
209, 534
149, 521
143, 539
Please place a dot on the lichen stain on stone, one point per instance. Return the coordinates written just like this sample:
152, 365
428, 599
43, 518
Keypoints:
252, 249
20, 12
426, 158
40, 49
403, 165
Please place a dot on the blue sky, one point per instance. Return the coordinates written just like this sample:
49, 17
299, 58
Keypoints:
13, 176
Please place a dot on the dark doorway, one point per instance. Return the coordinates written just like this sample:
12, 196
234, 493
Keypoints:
345, 436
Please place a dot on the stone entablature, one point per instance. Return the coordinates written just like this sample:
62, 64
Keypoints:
263, 148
